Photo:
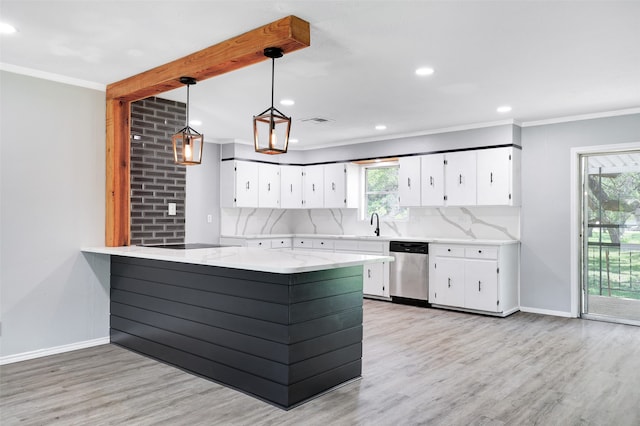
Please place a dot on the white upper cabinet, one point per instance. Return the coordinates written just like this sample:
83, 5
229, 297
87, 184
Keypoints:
269, 185
291, 187
409, 181
432, 180
499, 176
313, 187
460, 178
239, 186
340, 185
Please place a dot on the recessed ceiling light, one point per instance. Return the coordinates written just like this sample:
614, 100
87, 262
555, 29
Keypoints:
381, 127
287, 102
7, 28
195, 122
424, 71
293, 140
504, 108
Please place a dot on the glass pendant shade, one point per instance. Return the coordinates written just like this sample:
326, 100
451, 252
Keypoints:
271, 132
187, 143
271, 127
187, 147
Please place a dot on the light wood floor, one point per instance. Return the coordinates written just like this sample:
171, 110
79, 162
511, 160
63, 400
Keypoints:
420, 366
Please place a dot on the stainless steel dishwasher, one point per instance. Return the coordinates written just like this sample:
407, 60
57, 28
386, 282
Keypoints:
409, 273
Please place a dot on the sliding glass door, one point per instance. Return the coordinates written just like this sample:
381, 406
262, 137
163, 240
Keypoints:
611, 236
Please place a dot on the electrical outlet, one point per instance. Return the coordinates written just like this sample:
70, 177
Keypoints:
172, 209
209, 218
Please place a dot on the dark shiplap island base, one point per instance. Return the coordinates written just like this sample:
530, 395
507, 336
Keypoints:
283, 338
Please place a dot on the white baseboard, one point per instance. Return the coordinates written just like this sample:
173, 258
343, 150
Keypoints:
547, 312
9, 359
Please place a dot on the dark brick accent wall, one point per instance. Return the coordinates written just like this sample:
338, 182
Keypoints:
155, 179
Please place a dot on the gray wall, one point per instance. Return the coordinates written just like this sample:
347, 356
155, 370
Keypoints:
203, 197
52, 179
487, 136
545, 215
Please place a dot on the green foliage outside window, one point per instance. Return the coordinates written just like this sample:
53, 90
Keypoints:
381, 193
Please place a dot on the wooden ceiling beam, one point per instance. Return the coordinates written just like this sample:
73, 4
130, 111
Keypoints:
289, 34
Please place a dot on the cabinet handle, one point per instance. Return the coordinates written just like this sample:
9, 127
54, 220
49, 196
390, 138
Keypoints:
247, 184
292, 188
449, 279
460, 179
313, 187
431, 180
491, 179
409, 182
449, 250
479, 288
369, 273
333, 186
479, 251
269, 187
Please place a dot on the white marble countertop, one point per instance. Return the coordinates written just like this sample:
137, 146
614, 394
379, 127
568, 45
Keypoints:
280, 261
382, 238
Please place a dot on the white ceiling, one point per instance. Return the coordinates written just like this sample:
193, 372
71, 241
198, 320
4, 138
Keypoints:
545, 59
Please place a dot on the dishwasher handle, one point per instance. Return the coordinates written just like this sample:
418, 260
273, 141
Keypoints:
409, 247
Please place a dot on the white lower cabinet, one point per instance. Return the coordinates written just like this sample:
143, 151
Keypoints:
373, 282
474, 277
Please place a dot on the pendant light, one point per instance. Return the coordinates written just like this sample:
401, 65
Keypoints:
271, 127
187, 143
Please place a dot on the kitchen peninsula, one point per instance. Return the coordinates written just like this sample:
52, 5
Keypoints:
278, 324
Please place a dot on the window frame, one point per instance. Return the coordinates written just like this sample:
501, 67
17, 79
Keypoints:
363, 206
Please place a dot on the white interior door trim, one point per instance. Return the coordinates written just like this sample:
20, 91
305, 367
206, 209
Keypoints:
575, 200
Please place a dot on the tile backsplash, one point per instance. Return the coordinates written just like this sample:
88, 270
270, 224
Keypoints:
499, 222
155, 179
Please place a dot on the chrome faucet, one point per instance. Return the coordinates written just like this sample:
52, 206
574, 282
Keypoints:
377, 231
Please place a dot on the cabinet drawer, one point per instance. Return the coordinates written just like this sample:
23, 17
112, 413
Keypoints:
281, 243
345, 245
448, 251
302, 243
322, 244
259, 243
371, 246
481, 252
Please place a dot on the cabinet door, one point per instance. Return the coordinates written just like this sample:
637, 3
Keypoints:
290, 187
494, 176
449, 282
481, 285
335, 185
373, 279
269, 185
409, 181
246, 184
313, 192
460, 178
432, 184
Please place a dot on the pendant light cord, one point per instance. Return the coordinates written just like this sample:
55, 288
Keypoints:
187, 105
273, 67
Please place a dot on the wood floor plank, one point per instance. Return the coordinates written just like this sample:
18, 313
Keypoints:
420, 366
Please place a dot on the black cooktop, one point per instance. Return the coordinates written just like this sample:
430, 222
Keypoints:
183, 246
